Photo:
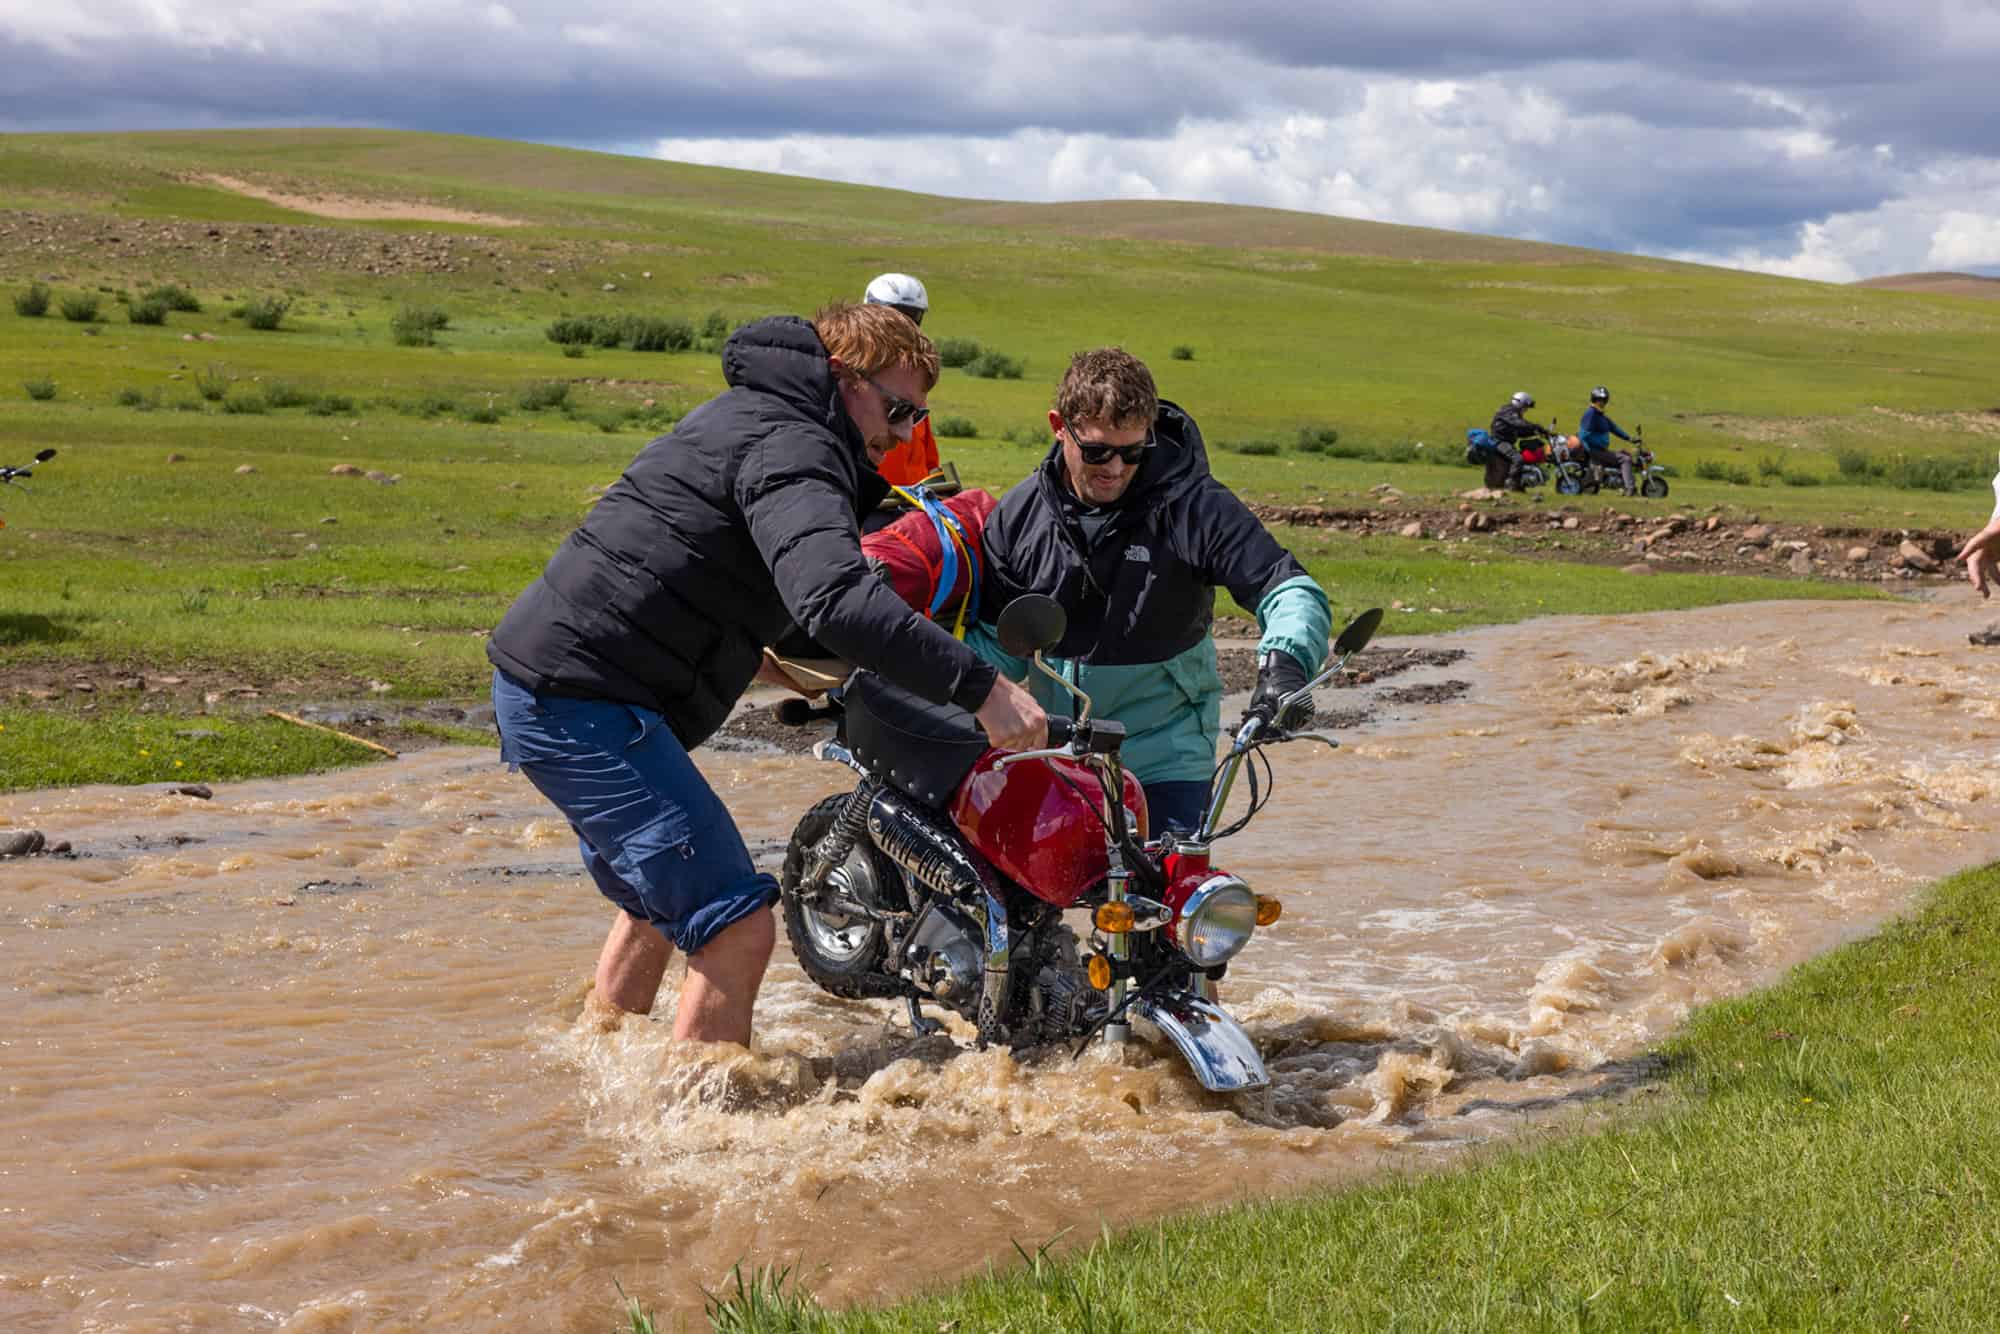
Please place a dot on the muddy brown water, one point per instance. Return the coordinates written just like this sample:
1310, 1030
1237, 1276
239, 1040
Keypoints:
315, 1055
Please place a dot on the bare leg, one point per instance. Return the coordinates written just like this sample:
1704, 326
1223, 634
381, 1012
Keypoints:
631, 964
722, 982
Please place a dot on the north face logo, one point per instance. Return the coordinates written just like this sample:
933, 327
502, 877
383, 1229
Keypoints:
1140, 554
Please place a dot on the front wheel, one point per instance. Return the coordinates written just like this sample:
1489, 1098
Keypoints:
1656, 487
1568, 485
842, 953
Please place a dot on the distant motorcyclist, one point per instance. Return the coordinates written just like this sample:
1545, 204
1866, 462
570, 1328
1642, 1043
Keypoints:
1596, 430
1511, 428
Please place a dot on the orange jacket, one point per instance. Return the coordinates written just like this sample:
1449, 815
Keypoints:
914, 459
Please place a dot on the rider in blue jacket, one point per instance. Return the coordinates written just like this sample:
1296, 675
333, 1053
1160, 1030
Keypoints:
1596, 430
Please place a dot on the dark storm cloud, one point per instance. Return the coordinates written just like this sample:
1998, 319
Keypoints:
535, 82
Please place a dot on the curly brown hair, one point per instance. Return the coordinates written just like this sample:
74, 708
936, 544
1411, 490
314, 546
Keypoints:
1109, 385
871, 339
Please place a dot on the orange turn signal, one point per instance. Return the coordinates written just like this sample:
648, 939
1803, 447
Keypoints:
1269, 910
1099, 972
1114, 918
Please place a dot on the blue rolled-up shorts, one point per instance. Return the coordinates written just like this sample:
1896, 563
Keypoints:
654, 836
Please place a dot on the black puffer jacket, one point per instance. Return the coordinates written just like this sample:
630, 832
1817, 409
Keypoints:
1144, 589
717, 538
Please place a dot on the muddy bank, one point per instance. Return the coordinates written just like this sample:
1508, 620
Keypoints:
1645, 534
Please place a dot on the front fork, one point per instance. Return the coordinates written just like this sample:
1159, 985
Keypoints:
1117, 884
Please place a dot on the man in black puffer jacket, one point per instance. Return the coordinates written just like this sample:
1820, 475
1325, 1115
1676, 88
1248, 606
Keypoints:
650, 620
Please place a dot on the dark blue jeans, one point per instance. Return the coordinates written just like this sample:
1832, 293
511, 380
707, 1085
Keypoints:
654, 836
1178, 806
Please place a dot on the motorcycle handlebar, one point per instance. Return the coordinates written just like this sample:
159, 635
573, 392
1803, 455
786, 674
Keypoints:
1061, 731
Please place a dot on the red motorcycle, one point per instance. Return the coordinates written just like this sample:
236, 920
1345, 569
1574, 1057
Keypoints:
945, 875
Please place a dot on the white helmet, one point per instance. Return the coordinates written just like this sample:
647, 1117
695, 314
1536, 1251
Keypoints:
1523, 399
899, 290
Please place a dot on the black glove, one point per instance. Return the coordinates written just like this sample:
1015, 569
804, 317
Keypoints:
1278, 675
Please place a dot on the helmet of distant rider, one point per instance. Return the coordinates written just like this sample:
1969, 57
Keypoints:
901, 291
1523, 399
1600, 395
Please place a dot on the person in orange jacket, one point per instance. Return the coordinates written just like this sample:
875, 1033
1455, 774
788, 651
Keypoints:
914, 459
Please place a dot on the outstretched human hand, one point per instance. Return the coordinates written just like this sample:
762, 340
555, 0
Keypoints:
1979, 553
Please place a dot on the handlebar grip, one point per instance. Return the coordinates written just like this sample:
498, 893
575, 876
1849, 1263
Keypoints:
1061, 730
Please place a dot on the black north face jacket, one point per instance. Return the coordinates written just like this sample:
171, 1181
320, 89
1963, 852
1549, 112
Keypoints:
717, 538
1143, 588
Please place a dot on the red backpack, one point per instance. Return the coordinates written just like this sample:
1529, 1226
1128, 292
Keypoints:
931, 555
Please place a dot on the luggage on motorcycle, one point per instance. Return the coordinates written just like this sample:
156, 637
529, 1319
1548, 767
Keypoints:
921, 749
931, 555
1478, 445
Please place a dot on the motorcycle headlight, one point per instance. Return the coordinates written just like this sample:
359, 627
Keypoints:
1217, 921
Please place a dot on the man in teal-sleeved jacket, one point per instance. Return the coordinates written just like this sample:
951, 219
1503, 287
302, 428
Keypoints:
1125, 526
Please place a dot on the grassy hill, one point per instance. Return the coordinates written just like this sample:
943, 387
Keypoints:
193, 516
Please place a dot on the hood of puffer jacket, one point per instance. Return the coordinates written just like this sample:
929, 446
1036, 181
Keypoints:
783, 357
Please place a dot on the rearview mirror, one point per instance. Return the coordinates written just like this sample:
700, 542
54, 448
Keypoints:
1358, 632
45, 455
1032, 622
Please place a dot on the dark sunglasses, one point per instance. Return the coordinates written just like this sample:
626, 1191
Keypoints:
1097, 455
900, 411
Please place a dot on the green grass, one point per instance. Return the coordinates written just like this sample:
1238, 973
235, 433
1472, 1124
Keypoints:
1819, 1155
41, 748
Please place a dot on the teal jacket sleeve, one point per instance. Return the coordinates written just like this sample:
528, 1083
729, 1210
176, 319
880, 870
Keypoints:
1296, 617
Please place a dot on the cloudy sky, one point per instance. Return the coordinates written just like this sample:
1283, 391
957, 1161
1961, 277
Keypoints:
1830, 139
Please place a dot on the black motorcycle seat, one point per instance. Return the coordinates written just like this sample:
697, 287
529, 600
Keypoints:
921, 749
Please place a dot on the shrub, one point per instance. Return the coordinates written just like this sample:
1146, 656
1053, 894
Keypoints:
715, 327
996, 366
955, 428
1770, 465
1937, 473
1318, 439
957, 352
1403, 451
280, 394
574, 349
430, 405
483, 413
174, 295
544, 394
1182, 352
150, 310
41, 390
80, 309
649, 333
1034, 433
1859, 465
265, 312
32, 301
418, 326
571, 330
1802, 478
246, 402
1715, 470
129, 397
187, 405
211, 384
1255, 448
331, 405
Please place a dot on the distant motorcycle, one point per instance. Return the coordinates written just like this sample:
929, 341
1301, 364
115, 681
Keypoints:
1481, 451
944, 876
8, 476
1576, 475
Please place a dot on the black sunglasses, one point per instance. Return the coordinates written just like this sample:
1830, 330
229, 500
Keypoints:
899, 410
1097, 455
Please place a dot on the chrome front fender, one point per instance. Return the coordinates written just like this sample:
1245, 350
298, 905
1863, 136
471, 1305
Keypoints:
1215, 1045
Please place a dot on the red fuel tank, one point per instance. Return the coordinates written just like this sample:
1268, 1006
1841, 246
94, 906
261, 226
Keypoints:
1038, 823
